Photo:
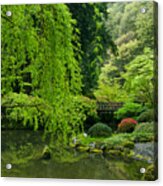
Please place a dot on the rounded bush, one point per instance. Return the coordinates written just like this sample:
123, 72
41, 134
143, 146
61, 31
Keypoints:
100, 130
146, 116
127, 125
145, 127
128, 110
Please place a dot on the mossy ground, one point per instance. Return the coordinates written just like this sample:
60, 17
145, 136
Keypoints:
118, 145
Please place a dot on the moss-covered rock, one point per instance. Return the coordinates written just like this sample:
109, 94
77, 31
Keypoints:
129, 144
114, 153
119, 147
96, 150
72, 145
138, 157
131, 154
82, 148
126, 151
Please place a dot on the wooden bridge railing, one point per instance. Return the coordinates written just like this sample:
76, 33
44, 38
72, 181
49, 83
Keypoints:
108, 106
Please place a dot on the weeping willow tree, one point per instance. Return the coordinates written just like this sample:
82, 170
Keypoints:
38, 60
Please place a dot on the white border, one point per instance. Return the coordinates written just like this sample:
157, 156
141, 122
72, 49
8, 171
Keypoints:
59, 182
58, 1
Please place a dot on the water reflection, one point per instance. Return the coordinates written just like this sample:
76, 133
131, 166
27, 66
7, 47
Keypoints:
22, 149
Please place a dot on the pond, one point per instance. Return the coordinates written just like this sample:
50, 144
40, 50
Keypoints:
22, 149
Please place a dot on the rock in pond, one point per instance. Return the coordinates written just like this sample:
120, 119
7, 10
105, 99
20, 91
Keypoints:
82, 148
113, 153
129, 144
96, 150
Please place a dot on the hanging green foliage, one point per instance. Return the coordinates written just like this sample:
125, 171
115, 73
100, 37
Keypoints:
21, 111
38, 60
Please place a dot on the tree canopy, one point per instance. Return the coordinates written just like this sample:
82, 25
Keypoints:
129, 75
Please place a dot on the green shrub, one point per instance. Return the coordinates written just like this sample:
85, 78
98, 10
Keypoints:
145, 127
100, 130
23, 111
151, 173
127, 125
139, 137
129, 110
86, 107
146, 116
123, 138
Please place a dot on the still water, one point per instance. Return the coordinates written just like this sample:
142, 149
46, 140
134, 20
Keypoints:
22, 149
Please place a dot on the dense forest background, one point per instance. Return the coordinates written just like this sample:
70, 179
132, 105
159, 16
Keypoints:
59, 60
